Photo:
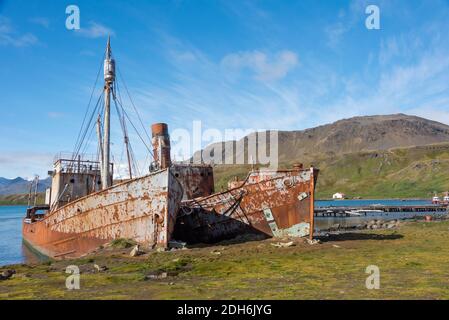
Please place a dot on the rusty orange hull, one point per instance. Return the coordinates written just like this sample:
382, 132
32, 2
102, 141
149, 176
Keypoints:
142, 209
270, 203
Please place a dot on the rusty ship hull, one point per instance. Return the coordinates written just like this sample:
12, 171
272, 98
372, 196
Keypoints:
270, 203
143, 209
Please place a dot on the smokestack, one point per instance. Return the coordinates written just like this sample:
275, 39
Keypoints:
161, 145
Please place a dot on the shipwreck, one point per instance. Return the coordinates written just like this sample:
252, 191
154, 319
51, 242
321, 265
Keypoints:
85, 208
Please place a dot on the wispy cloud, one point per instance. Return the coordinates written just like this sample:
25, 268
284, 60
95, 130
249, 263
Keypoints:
336, 31
10, 37
419, 87
95, 30
265, 68
41, 21
202, 89
25, 164
55, 115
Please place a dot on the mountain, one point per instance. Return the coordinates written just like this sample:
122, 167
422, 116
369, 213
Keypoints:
356, 134
21, 186
374, 156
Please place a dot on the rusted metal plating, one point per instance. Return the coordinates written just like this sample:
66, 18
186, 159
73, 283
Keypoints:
143, 209
197, 180
268, 202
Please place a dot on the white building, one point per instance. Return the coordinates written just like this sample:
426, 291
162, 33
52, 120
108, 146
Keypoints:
339, 195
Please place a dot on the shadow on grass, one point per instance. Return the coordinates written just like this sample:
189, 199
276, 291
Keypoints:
359, 236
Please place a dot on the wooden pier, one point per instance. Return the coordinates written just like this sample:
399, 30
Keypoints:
364, 210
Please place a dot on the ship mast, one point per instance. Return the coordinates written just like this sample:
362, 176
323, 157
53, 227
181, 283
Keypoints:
109, 78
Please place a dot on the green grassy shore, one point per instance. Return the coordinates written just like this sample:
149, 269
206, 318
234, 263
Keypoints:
412, 261
19, 199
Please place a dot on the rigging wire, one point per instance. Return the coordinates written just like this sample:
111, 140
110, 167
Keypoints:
125, 133
134, 161
92, 129
135, 129
77, 150
132, 103
135, 164
88, 105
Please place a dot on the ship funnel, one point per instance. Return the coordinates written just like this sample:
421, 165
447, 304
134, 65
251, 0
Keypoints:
161, 145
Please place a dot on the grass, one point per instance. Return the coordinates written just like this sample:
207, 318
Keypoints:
123, 243
411, 261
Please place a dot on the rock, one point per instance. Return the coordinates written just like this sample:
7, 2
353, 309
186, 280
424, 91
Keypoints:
336, 246
5, 275
283, 244
100, 268
335, 226
216, 252
85, 268
313, 242
155, 276
136, 251
374, 226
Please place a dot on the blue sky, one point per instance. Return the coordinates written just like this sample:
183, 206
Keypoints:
231, 64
